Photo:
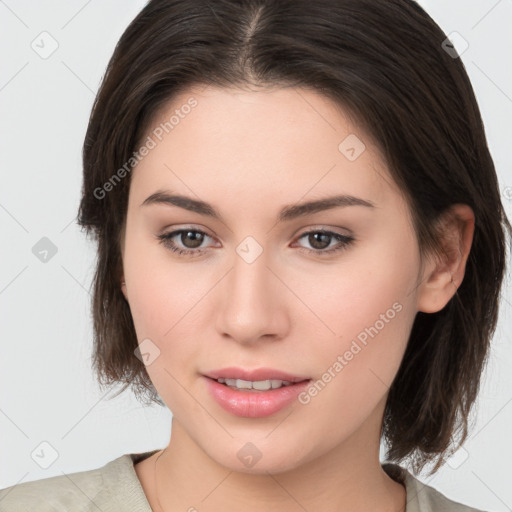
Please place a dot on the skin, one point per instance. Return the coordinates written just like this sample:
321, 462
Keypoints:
249, 153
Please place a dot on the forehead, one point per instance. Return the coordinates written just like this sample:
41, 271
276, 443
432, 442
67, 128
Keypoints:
259, 145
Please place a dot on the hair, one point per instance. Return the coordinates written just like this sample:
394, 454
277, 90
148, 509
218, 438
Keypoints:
384, 63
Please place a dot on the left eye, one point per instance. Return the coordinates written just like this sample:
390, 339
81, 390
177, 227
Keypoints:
320, 240
192, 239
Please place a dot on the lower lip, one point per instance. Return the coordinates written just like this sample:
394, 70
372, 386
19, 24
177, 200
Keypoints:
254, 404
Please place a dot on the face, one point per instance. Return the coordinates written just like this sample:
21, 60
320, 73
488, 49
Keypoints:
325, 293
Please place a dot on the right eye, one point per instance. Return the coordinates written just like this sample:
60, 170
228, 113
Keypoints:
189, 239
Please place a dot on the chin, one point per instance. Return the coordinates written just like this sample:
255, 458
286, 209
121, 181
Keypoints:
252, 458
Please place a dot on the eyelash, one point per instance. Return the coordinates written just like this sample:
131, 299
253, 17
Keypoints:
344, 242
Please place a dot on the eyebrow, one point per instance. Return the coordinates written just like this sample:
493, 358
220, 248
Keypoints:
287, 213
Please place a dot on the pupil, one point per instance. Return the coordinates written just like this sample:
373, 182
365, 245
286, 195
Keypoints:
315, 242
197, 239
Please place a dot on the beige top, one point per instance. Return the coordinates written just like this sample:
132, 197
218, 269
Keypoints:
115, 487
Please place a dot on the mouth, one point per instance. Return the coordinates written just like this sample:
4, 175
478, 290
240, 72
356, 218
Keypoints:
258, 385
262, 379
254, 394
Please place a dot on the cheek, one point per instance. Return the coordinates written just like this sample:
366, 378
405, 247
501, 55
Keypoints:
365, 309
162, 297
167, 298
355, 368
366, 283
162, 289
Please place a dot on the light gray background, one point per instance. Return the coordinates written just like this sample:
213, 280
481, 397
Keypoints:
48, 392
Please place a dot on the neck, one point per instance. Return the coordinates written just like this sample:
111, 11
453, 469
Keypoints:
346, 478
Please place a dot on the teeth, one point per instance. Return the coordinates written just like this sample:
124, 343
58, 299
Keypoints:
259, 385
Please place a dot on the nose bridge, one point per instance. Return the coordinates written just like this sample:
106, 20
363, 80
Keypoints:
250, 283
252, 307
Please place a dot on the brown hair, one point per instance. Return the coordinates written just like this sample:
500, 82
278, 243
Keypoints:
384, 63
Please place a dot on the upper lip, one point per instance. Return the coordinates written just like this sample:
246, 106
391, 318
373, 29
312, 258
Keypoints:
257, 374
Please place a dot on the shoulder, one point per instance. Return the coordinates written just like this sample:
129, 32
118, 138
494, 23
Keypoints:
115, 483
422, 497
54, 493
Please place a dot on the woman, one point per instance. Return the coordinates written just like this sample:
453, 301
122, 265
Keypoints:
301, 247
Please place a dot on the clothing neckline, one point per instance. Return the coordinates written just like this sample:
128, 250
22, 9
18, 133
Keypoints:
394, 471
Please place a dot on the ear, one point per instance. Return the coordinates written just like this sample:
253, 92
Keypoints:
123, 288
443, 275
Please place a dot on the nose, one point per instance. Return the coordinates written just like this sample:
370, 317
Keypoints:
252, 304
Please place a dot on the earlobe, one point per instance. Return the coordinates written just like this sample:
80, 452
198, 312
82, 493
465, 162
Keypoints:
442, 276
123, 288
